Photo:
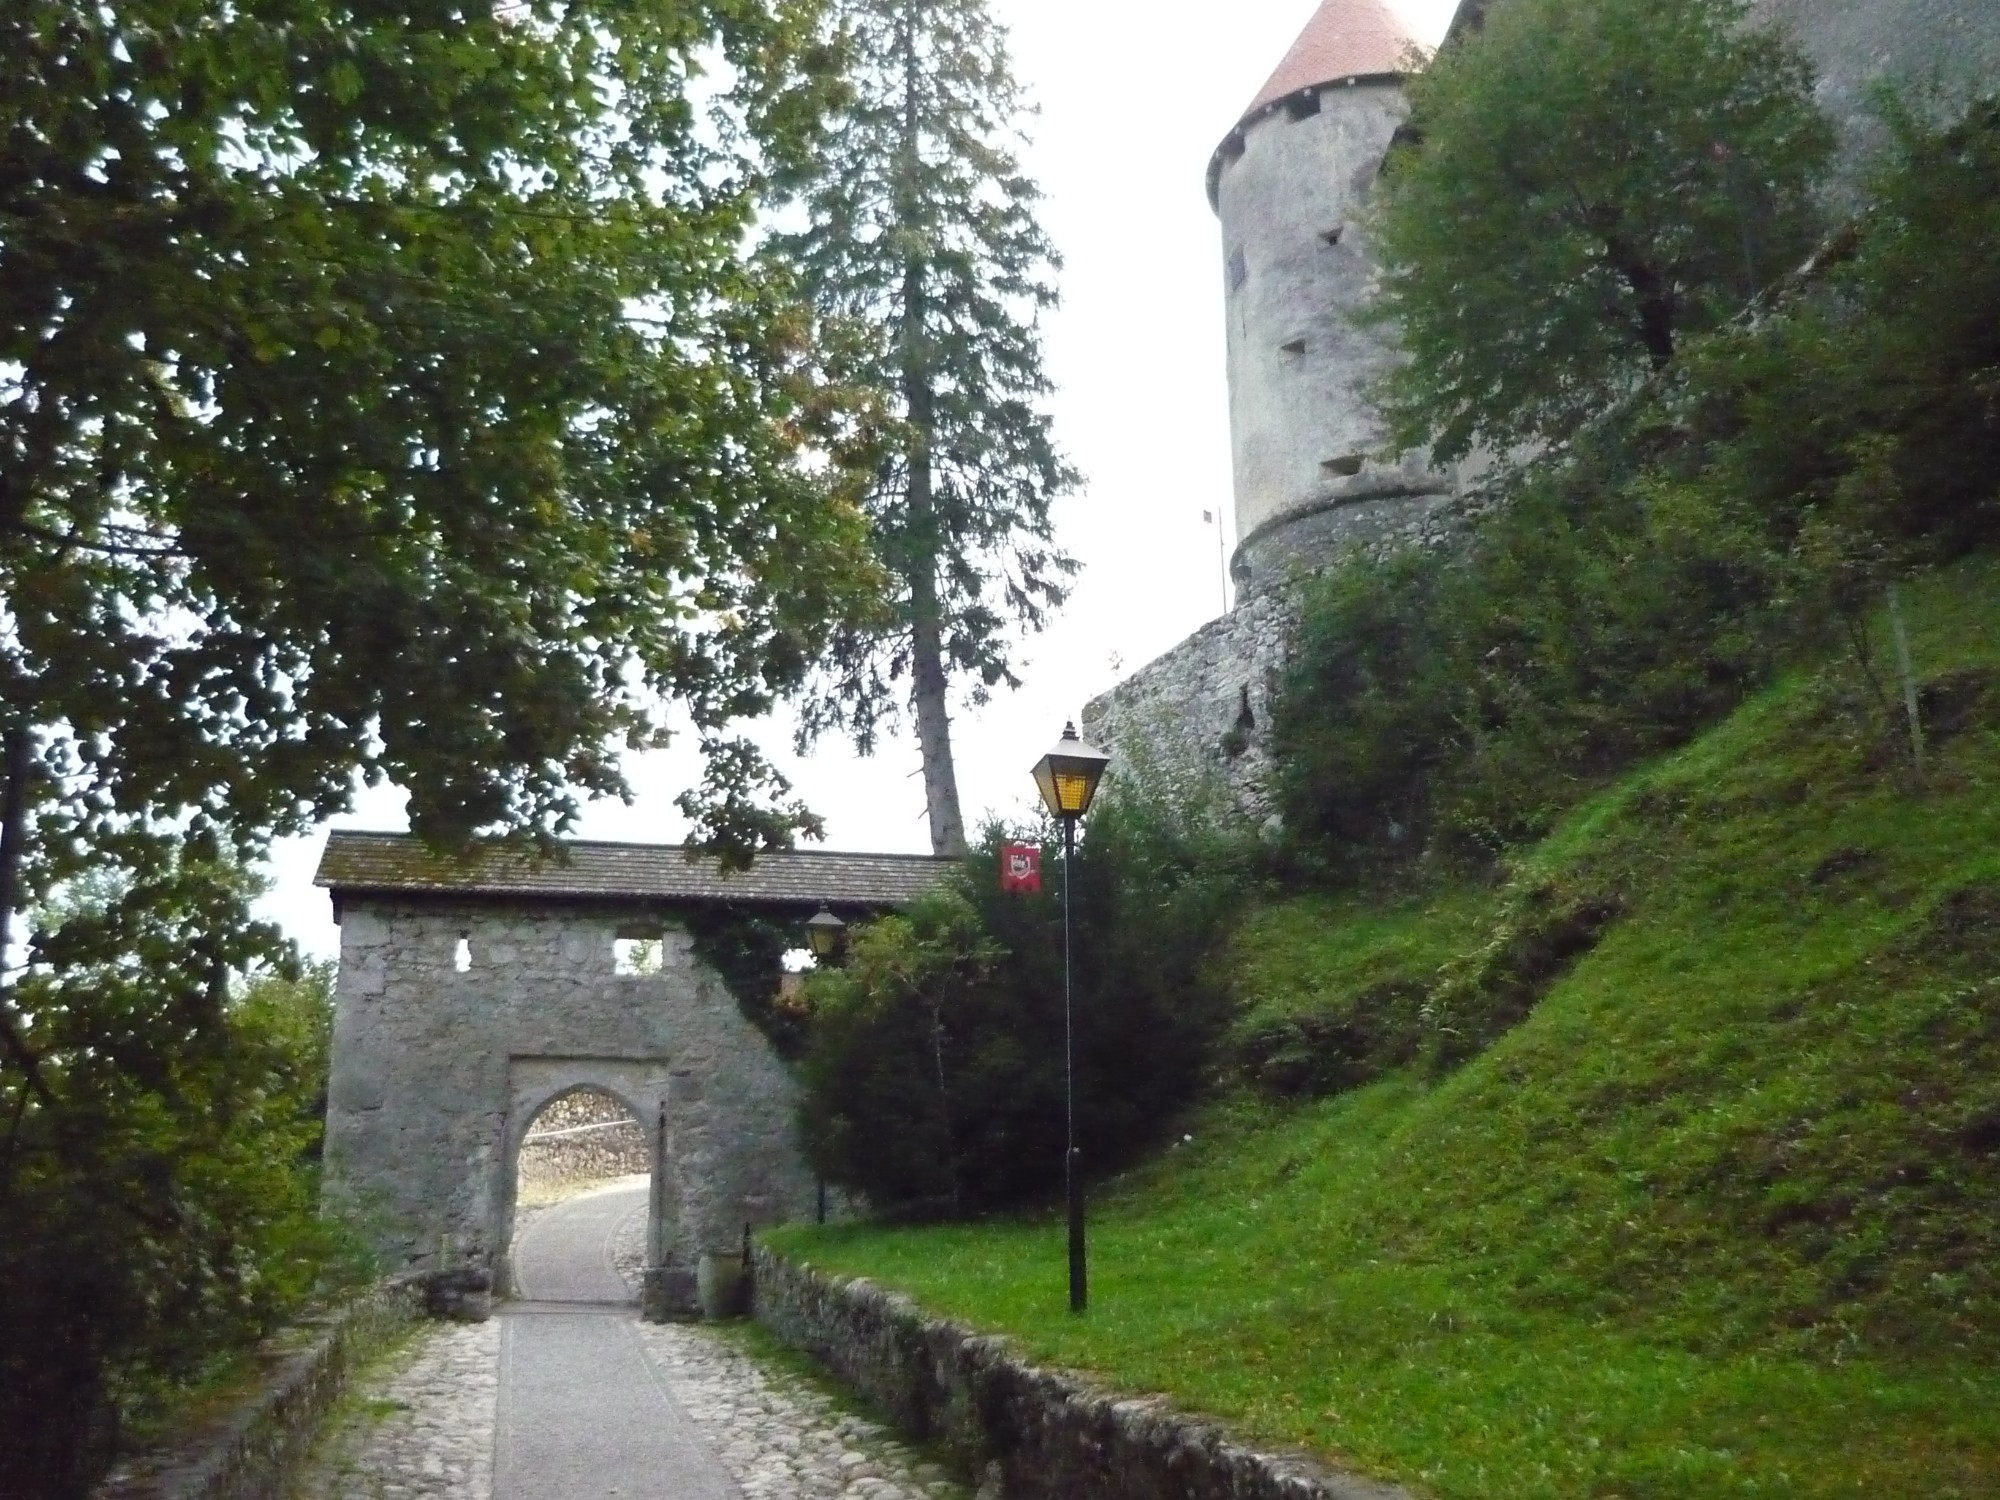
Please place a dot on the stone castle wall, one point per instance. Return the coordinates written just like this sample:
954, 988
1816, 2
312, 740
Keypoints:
1188, 728
1856, 45
1192, 724
437, 1074
1191, 728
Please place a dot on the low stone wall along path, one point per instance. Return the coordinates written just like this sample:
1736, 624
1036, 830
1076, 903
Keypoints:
572, 1398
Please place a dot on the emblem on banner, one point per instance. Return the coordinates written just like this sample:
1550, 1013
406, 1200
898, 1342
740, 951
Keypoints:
1020, 867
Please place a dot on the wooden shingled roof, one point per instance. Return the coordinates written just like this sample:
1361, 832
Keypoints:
356, 864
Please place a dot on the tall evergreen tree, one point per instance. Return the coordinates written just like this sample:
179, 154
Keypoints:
921, 243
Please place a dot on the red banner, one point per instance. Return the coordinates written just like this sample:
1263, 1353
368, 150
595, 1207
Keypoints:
1020, 867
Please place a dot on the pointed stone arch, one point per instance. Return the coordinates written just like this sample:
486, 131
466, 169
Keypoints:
640, 1088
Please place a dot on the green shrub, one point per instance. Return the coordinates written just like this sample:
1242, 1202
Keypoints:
934, 1064
1456, 703
158, 1177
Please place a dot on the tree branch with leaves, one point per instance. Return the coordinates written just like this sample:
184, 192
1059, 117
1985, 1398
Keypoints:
1587, 183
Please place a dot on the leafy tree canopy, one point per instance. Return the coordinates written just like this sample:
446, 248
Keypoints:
1593, 180
382, 386
384, 389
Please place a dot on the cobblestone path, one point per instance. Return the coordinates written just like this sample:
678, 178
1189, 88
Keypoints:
422, 1428
595, 1405
778, 1436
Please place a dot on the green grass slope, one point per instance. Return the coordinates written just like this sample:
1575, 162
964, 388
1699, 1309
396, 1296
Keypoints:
1717, 1210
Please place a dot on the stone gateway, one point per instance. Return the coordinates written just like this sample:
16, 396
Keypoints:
471, 996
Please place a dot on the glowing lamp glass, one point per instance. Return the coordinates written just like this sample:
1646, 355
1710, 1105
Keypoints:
1068, 775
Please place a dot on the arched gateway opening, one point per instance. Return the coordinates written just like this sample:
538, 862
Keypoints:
585, 1210
476, 997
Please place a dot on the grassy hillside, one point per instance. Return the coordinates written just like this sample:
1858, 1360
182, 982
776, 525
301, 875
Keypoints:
1712, 1203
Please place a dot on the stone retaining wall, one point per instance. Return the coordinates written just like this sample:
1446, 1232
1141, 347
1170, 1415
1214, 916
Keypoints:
1029, 1434
255, 1449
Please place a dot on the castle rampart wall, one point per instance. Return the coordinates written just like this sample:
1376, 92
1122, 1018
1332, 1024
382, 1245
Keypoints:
1857, 44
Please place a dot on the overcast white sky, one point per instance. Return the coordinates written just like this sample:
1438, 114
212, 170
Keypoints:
1134, 95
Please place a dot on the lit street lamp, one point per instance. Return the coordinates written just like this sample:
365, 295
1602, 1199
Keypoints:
1068, 777
824, 935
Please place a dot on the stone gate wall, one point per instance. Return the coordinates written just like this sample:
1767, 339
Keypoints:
438, 1071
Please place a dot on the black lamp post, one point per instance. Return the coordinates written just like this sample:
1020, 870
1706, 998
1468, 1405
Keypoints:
1068, 777
824, 935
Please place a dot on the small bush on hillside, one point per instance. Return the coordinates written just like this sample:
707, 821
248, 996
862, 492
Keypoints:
934, 1064
1456, 703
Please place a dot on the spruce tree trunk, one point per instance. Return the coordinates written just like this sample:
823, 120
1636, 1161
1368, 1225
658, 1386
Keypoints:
929, 685
16, 765
927, 696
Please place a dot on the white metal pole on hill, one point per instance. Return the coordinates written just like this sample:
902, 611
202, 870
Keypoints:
1214, 517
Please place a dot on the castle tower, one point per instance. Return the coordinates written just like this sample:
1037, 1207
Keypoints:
1288, 183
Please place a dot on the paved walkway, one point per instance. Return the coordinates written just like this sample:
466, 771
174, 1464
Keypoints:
578, 1400
571, 1252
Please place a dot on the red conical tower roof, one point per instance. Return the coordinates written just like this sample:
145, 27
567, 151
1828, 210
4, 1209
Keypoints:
1344, 39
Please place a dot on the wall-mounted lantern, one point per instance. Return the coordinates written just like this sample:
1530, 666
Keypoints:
826, 935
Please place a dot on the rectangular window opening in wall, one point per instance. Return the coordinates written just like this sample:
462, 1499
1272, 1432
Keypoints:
638, 951
1292, 346
1347, 464
1303, 106
1239, 269
461, 953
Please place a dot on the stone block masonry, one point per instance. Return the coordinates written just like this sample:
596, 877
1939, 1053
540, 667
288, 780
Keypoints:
1030, 1434
1191, 729
457, 1021
1947, 49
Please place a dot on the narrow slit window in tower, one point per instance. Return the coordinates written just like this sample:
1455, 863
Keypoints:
1347, 464
461, 953
1292, 346
1332, 236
